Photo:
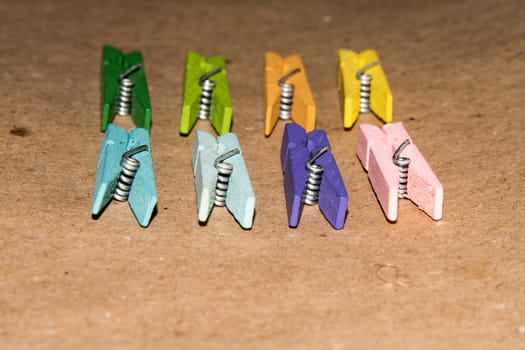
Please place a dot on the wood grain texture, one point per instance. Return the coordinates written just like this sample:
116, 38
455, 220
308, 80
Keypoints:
456, 70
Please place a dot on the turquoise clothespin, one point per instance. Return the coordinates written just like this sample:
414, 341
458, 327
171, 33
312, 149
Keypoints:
221, 177
137, 184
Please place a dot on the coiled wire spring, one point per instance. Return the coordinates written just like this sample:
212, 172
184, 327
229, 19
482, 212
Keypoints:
365, 87
207, 93
402, 164
315, 176
129, 167
125, 93
223, 177
287, 93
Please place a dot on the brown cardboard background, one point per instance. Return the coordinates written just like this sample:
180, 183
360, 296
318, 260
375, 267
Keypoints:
457, 74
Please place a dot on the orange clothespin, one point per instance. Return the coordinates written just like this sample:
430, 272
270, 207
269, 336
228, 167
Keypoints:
287, 92
363, 86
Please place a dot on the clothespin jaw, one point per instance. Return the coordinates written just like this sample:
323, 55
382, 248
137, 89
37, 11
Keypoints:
303, 109
239, 197
114, 63
221, 105
349, 86
297, 149
375, 150
143, 193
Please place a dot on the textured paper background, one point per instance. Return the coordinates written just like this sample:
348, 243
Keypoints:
67, 281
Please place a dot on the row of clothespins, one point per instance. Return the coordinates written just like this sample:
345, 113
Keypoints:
395, 166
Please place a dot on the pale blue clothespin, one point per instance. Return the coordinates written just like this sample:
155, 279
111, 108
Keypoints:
125, 172
221, 177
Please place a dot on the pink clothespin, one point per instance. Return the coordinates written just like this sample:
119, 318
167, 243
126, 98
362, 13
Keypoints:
397, 169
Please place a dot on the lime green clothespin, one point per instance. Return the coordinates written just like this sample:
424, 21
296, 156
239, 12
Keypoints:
206, 93
123, 76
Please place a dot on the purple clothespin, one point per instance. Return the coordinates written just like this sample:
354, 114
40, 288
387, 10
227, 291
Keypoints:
311, 176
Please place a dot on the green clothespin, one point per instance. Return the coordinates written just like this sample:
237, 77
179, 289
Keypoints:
117, 66
206, 93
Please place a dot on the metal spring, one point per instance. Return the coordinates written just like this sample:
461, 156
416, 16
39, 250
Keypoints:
223, 177
402, 164
129, 168
125, 93
287, 93
365, 87
364, 93
207, 93
315, 176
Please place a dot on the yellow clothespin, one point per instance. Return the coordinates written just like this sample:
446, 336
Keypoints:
287, 92
363, 86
